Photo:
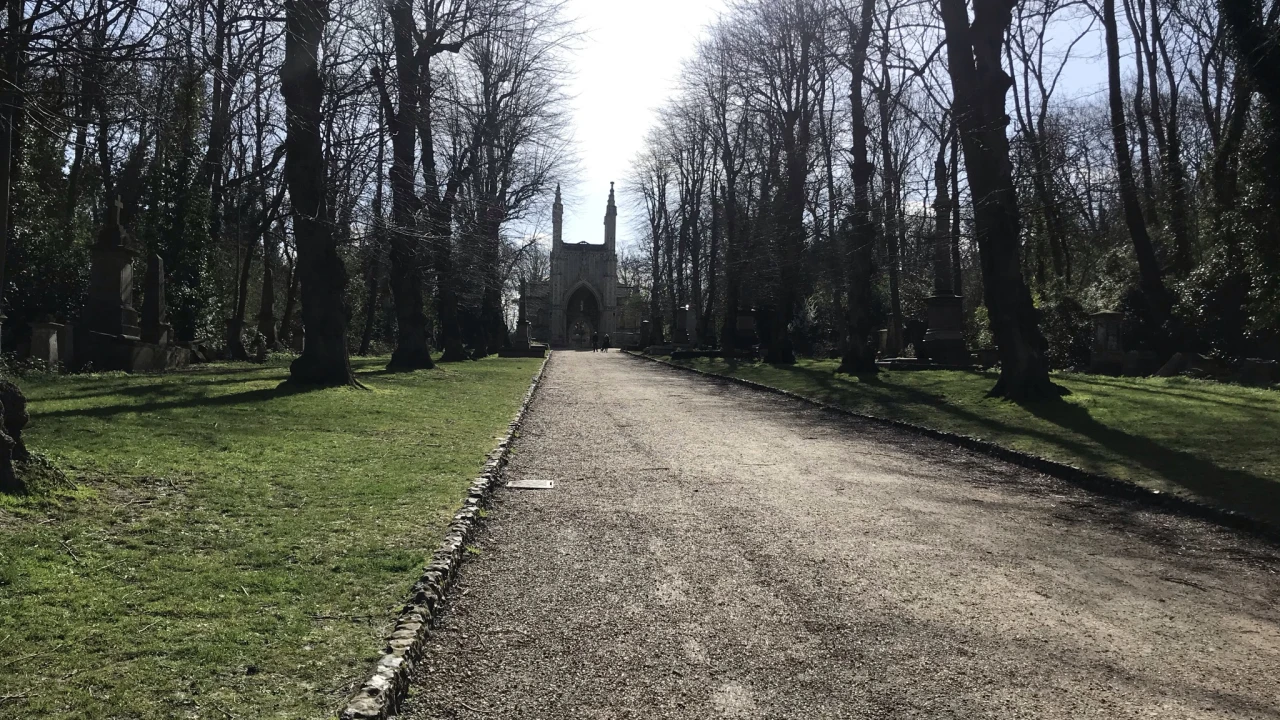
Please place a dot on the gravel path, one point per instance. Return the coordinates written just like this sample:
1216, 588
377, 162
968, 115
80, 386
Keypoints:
715, 552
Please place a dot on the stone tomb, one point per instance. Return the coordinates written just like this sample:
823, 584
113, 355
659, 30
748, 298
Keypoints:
45, 346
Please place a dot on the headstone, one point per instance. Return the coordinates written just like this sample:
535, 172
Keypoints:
1258, 372
66, 346
943, 341
44, 343
680, 335
109, 309
155, 320
521, 339
686, 325
1176, 365
1106, 354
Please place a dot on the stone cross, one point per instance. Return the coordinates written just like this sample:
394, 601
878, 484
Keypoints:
113, 234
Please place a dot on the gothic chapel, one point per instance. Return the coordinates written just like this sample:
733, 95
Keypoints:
582, 295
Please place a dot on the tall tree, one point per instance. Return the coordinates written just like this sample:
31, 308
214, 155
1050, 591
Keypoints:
859, 230
324, 359
1149, 273
979, 84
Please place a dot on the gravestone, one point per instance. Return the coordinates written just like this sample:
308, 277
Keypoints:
1258, 372
155, 318
110, 337
109, 309
686, 332
943, 341
521, 339
44, 343
1106, 355
66, 345
680, 334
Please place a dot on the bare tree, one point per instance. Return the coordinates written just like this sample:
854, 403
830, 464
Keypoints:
320, 270
974, 52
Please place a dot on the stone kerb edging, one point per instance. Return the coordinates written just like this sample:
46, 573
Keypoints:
381, 694
1094, 482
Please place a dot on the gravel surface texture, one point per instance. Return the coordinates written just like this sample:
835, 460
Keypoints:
711, 551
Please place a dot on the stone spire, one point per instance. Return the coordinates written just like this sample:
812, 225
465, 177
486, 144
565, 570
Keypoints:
557, 219
611, 222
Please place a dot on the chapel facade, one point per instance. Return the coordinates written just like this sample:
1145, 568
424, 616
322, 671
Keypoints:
582, 295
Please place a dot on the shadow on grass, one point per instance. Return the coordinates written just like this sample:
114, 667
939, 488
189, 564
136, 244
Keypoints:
284, 389
164, 387
1231, 488
1194, 394
1234, 489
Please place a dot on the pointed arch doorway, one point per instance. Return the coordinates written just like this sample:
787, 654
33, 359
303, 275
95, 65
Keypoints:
582, 316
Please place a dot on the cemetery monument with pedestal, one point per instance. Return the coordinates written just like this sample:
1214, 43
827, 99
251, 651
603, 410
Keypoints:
110, 336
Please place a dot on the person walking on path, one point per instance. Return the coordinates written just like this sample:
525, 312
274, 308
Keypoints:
605, 344
595, 341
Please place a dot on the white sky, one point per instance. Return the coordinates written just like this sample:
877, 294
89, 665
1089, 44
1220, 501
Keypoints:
627, 65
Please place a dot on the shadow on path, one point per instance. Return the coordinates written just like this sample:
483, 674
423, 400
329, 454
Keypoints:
1085, 438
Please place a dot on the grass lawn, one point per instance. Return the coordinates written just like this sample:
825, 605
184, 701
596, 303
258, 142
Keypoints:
1216, 442
233, 550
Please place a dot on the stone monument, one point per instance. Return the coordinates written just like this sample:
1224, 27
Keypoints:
521, 346
686, 332
1106, 355
109, 310
44, 343
521, 340
943, 342
155, 318
109, 336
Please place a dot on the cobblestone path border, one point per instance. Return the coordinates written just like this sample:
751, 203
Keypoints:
380, 696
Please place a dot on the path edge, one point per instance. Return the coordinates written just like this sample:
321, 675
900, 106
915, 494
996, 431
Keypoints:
1090, 481
380, 696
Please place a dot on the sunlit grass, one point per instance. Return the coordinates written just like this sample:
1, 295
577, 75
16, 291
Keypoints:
233, 549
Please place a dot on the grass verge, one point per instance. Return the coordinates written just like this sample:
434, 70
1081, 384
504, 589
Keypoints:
1213, 442
233, 549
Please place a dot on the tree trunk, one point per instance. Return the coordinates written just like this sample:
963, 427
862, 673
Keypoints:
1148, 267
891, 183
980, 85
1137, 26
290, 302
235, 328
957, 283
708, 312
1227, 157
373, 287
493, 328
267, 301
732, 271
413, 347
324, 358
859, 232
1175, 181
